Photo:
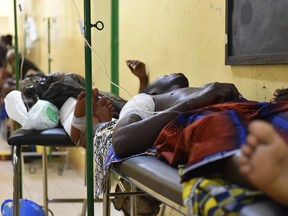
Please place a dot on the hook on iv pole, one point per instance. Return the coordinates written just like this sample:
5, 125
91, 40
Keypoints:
96, 25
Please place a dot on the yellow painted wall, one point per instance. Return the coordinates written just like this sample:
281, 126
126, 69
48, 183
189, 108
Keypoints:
66, 41
188, 36
6, 18
67, 44
169, 36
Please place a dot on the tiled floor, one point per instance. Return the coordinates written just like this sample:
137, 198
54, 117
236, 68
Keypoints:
68, 185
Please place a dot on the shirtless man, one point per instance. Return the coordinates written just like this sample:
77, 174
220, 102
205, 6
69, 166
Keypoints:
168, 96
264, 159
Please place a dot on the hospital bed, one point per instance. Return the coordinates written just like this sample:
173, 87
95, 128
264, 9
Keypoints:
159, 180
54, 137
147, 173
151, 176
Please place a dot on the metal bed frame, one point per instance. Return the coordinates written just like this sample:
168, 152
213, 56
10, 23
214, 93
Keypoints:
151, 176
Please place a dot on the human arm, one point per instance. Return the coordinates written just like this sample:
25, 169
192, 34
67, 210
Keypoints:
138, 68
280, 95
134, 135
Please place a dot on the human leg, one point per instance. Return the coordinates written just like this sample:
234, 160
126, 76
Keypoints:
264, 161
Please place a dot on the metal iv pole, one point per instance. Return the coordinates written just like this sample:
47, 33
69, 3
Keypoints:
88, 83
88, 86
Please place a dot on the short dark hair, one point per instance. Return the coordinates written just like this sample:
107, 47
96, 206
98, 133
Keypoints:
8, 39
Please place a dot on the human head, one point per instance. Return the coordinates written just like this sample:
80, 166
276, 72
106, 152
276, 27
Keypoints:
167, 83
8, 40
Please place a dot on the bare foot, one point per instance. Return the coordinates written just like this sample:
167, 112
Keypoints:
264, 161
103, 110
79, 110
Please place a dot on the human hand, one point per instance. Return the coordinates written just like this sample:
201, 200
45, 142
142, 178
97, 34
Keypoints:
138, 68
280, 95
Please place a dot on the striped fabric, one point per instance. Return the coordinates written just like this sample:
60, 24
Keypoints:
202, 136
215, 197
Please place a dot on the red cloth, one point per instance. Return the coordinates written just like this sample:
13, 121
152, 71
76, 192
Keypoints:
222, 127
211, 134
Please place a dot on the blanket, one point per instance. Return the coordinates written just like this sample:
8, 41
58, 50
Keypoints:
104, 154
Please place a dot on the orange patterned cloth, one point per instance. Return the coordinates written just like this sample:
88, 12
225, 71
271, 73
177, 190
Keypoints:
202, 136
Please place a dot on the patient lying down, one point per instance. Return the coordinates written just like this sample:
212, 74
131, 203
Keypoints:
264, 145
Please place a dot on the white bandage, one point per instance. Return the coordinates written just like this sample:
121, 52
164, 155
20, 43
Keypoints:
66, 114
79, 123
141, 104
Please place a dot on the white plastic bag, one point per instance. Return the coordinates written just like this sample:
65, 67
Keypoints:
41, 116
15, 107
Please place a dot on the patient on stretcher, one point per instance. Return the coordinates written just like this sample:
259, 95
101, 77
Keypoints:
163, 87
181, 141
124, 145
179, 98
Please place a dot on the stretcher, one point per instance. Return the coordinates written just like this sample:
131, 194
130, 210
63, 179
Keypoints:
147, 173
161, 181
151, 176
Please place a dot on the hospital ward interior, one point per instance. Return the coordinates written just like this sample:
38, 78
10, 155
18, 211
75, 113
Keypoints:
144, 107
